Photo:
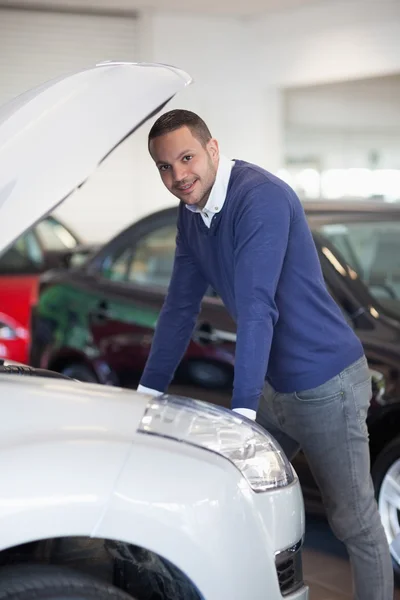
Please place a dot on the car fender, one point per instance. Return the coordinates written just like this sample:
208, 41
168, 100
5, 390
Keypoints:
65, 497
194, 508
62, 447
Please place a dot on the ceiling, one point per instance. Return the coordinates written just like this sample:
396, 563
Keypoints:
234, 8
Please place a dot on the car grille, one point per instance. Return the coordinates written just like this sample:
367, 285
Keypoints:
289, 569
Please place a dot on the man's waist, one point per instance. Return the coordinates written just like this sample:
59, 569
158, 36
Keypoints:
286, 378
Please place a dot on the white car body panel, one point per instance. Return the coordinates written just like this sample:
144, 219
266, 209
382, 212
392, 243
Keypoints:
195, 509
53, 138
80, 435
98, 477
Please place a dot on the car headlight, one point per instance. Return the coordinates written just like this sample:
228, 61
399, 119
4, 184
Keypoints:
244, 443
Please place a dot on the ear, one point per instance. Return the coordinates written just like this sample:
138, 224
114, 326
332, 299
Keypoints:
213, 149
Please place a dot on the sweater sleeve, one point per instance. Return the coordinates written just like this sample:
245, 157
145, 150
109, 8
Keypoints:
176, 320
260, 242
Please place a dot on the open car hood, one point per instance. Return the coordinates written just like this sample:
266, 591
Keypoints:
52, 138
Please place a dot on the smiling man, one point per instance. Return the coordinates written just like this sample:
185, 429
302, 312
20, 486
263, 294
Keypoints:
299, 367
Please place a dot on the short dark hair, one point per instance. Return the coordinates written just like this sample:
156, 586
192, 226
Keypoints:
177, 118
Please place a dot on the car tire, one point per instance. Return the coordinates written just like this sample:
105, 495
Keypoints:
80, 372
386, 468
31, 582
209, 375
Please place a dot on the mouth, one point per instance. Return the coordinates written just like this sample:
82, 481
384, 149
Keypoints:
186, 189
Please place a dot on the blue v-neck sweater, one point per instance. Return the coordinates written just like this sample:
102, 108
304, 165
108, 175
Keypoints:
260, 258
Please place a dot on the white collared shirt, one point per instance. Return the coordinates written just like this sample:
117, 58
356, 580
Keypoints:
218, 192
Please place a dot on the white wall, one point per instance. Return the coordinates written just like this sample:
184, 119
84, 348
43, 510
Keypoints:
241, 111
336, 125
245, 117
344, 123
331, 41
239, 67
368, 105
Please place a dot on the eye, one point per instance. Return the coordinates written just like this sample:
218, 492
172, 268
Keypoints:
187, 158
163, 167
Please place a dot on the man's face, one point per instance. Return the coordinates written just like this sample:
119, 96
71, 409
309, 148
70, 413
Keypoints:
187, 168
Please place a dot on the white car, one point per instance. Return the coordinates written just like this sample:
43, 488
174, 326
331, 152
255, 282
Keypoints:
109, 493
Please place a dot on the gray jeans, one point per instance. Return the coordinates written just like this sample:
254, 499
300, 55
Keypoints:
329, 424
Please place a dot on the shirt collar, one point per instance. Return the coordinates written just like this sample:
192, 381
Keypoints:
219, 190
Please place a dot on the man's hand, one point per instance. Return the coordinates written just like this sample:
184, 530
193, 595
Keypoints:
246, 412
145, 390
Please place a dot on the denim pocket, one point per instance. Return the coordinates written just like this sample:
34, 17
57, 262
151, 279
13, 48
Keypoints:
327, 391
362, 394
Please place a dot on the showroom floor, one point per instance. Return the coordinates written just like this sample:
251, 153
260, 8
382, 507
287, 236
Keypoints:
326, 567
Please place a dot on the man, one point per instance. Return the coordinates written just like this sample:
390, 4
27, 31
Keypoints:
299, 367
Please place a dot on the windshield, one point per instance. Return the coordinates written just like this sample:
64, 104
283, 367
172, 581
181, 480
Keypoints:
372, 249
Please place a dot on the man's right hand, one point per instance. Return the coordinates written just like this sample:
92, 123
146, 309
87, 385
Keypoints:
145, 390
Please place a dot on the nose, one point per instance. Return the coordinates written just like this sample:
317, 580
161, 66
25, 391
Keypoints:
180, 173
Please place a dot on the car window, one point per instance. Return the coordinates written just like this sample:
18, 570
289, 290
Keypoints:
24, 257
149, 262
54, 236
115, 266
153, 258
372, 250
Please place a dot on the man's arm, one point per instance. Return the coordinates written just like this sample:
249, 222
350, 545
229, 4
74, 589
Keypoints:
261, 238
175, 323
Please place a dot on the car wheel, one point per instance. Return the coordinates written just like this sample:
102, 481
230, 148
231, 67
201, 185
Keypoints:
209, 375
30, 582
80, 372
386, 478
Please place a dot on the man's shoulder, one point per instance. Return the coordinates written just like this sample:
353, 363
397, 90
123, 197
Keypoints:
250, 176
251, 181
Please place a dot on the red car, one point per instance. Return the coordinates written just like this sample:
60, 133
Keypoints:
43, 247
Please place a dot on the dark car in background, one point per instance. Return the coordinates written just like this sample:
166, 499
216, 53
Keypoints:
96, 322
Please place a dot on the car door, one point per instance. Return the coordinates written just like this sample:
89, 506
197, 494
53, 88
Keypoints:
131, 277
